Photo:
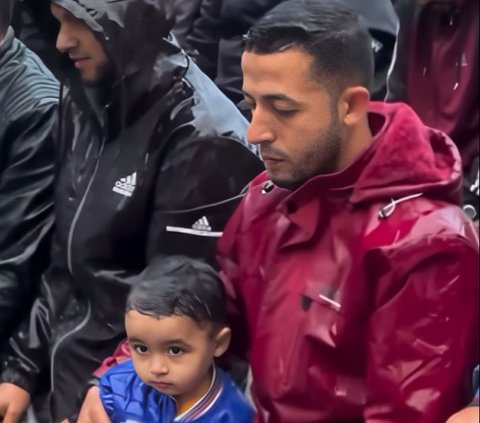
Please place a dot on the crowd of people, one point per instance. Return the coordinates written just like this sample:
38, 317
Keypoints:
251, 211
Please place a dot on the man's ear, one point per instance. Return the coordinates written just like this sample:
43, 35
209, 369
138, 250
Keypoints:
222, 341
353, 105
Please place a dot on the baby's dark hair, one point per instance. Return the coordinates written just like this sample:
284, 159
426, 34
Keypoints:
180, 286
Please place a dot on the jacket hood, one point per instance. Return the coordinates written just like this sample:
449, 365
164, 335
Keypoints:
406, 158
130, 30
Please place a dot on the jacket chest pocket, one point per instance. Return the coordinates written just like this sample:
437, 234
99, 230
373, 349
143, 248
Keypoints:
323, 317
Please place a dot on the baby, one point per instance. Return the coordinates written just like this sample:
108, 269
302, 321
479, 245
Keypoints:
176, 325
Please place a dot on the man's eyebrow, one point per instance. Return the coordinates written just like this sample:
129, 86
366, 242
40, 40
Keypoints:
275, 97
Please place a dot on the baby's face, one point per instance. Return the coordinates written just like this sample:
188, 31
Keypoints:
173, 354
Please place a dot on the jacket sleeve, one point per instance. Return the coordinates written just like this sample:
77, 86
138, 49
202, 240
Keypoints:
26, 354
196, 192
26, 212
228, 260
423, 336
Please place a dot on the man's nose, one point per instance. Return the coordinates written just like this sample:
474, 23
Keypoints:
260, 129
66, 39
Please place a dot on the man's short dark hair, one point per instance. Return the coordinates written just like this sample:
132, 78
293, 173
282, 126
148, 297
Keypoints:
332, 33
180, 286
6, 10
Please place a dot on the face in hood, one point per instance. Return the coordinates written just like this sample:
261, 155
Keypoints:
130, 31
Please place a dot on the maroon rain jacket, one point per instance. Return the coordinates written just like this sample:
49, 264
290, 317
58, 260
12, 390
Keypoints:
357, 294
436, 68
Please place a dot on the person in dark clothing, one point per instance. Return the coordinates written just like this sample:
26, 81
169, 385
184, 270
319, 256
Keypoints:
436, 69
217, 38
28, 117
35, 26
152, 160
186, 13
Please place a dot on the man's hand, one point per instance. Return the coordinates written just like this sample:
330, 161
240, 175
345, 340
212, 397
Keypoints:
92, 409
467, 415
14, 402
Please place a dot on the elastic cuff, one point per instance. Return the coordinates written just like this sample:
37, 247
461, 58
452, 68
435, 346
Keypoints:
22, 380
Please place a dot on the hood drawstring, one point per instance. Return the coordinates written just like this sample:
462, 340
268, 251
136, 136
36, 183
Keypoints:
388, 210
60, 121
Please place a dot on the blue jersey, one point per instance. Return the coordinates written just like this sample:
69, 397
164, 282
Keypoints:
128, 400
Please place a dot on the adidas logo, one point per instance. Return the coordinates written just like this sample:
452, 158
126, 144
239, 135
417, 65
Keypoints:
202, 225
200, 228
126, 186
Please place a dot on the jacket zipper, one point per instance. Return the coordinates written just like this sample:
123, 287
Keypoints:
63, 338
70, 267
80, 207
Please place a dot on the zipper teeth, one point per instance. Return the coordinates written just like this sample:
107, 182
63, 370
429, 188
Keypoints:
70, 267
79, 210
68, 334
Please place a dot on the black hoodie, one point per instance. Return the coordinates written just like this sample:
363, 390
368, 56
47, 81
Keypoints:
155, 172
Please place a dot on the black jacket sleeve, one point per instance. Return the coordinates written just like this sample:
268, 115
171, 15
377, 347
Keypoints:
196, 194
26, 211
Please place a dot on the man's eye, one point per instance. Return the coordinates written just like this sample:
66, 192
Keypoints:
175, 351
285, 112
141, 349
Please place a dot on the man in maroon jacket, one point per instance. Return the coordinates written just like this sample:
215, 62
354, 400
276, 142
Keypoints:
352, 270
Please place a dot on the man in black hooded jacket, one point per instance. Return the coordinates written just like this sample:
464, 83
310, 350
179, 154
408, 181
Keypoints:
28, 117
152, 161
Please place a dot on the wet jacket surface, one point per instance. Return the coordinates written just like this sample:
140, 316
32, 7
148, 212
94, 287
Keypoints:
157, 171
186, 13
28, 117
126, 398
358, 292
436, 68
217, 37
